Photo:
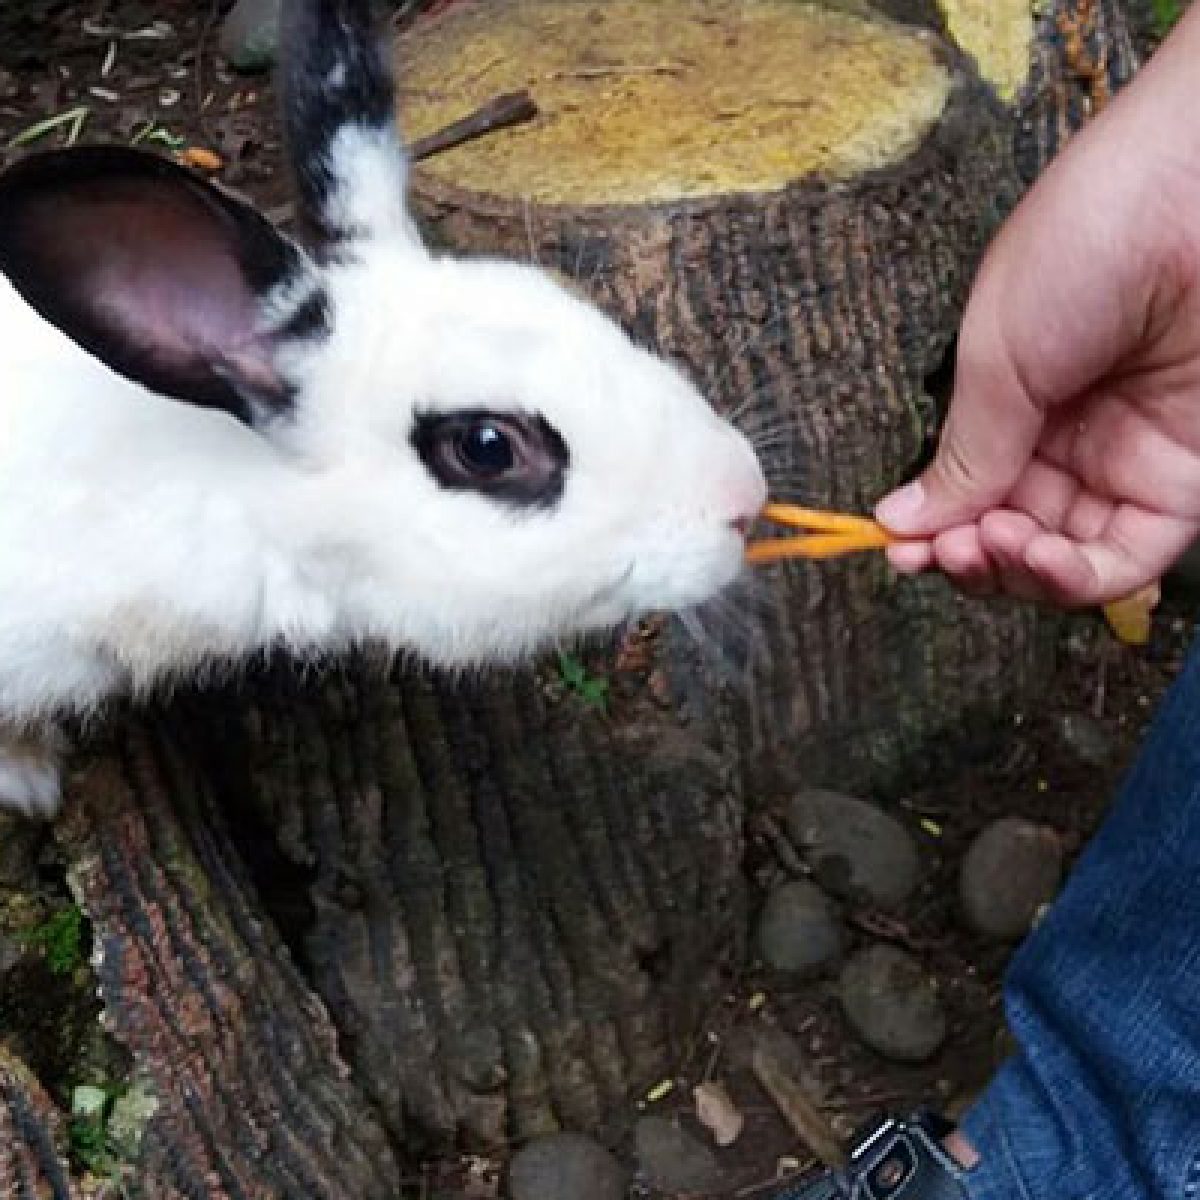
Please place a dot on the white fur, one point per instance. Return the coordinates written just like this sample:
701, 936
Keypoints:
372, 178
142, 537
29, 772
30, 786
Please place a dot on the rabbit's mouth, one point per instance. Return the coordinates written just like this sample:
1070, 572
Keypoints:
612, 603
676, 577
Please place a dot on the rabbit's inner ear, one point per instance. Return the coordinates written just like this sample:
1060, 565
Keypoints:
339, 104
168, 281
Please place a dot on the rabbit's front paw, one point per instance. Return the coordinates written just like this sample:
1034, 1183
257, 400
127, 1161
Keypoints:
30, 781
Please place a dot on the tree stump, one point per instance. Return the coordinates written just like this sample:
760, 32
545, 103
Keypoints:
343, 920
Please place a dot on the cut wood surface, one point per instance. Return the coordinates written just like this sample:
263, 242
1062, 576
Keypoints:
998, 34
645, 102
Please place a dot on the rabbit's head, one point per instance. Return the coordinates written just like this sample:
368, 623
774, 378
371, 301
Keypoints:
503, 465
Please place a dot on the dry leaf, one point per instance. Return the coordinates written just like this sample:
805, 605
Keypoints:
718, 1113
1129, 619
204, 160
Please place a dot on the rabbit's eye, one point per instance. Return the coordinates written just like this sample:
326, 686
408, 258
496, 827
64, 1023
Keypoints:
486, 448
518, 457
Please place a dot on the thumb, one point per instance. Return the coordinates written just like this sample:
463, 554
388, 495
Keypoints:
989, 438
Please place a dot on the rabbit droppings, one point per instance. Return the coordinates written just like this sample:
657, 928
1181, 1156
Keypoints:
214, 441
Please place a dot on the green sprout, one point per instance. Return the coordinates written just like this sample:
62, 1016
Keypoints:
150, 132
73, 121
591, 689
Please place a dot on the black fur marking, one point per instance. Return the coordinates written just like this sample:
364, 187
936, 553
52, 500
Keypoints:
335, 75
152, 270
310, 322
541, 456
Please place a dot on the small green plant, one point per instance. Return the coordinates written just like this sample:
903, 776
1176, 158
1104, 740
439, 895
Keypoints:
152, 132
60, 938
1166, 13
591, 689
87, 1132
92, 1147
71, 122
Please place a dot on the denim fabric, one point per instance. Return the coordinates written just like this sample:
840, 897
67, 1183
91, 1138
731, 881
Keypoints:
1102, 1099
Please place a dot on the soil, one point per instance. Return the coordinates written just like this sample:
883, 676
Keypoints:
149, 70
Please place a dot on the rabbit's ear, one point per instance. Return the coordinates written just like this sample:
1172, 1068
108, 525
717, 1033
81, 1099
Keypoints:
339, 108
165, 278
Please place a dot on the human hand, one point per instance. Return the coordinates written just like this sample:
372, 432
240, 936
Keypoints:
1069, 467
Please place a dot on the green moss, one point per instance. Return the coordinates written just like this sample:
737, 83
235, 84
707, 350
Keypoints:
61, 938
107, 1119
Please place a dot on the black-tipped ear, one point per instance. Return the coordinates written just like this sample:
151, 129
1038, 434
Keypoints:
157, 273
339, 112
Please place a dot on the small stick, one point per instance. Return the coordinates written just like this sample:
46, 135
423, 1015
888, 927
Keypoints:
502, 112
616, 71
782, 846
806, 1120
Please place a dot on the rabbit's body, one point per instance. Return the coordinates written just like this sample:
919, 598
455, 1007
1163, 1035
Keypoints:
132, 536
212, 443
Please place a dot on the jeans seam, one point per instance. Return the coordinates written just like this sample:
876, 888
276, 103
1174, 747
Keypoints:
1011, 1165
1191, 1180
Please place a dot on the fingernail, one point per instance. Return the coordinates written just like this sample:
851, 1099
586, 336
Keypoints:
900, 510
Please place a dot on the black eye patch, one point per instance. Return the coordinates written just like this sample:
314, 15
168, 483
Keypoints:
516, 457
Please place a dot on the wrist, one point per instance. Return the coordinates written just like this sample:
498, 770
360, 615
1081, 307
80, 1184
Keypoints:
1155, 115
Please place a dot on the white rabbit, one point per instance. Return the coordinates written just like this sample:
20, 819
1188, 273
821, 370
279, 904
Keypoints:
213, 442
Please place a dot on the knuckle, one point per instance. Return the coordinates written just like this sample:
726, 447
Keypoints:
958, 471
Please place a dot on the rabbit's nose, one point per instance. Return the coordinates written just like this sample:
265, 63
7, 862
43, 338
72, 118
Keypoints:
737, 489
745, 495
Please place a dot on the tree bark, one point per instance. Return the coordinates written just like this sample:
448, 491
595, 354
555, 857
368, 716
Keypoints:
344, 920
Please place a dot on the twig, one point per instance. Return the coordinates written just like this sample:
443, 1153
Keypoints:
206, 29
873, 1100
782, 846
755, 1189
802, 1115
1101, 693
892, 929
614, 71
512, 108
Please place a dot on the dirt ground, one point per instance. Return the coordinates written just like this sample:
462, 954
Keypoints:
127, 70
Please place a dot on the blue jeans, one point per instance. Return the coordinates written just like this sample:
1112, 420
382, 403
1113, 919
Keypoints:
1102, 1100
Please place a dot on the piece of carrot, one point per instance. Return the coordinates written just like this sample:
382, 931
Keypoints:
817, 519
815, 546
1130, 618
201, 158
826, 534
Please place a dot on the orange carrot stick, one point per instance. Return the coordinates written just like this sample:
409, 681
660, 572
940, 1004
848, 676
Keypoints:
835, 534
816, 545
815, 518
